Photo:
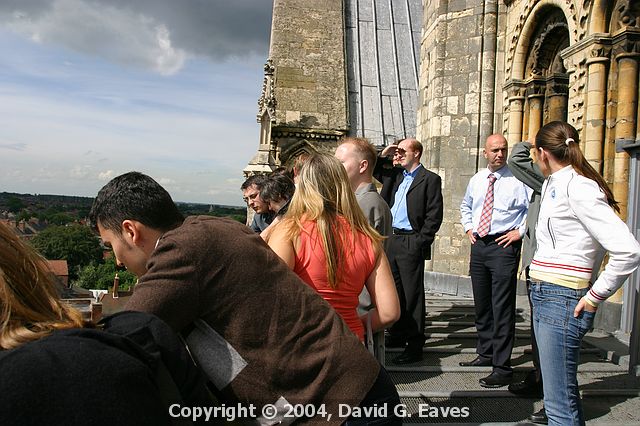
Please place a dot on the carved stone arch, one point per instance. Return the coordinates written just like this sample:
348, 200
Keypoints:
534, 13
539, 68
551, 37
293, 151
625, 13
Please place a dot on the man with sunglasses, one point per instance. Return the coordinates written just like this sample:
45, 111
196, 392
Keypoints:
414, 195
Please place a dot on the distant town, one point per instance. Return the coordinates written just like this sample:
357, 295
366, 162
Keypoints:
57, 226
30, 213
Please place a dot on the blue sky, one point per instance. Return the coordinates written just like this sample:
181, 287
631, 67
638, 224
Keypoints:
90, 89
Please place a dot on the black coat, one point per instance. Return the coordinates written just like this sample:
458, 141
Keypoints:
99, 377
424, 200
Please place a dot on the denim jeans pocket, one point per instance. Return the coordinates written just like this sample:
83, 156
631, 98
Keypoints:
586, 322
551, 310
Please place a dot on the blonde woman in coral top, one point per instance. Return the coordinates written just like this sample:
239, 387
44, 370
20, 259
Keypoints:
327, 241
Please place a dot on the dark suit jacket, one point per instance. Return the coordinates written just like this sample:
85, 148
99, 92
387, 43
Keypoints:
424, 200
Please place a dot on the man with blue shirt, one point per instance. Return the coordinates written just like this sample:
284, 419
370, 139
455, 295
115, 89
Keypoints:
494, 211
415, 199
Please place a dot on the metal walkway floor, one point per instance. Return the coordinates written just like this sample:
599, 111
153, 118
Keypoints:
438, 390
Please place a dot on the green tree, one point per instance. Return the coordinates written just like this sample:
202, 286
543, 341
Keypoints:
239, 217
60, 219
15, 204
99, 276
75, 243
24, 215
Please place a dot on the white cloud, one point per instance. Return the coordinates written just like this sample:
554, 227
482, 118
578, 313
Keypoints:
100, 29
106, 175
80, 172
165, 181
153, 34
13, 146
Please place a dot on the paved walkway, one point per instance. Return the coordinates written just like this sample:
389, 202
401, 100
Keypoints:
438, 390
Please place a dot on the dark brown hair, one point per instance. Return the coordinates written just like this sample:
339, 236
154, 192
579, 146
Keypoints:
561, 140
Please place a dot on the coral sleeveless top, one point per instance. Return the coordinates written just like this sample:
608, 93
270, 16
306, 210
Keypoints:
354, 270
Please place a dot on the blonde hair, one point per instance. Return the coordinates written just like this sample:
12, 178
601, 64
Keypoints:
364, 150
29, 304
324, 195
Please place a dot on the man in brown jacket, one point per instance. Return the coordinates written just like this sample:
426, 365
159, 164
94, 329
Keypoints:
261, 335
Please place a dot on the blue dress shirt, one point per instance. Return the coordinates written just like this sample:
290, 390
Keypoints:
399, 209
510, 202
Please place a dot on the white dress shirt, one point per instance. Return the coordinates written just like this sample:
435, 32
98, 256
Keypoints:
510, 202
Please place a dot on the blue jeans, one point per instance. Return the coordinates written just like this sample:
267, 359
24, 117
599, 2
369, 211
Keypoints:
559, 334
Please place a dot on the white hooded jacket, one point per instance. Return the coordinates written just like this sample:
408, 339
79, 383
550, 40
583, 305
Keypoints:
575, 228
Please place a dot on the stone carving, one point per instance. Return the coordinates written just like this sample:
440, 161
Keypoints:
535, 88
557, 87
600, 52
308, 134
267, 102
580, 25
539, 52
583, 19
627, 47
515, 89
627, 12
577, 70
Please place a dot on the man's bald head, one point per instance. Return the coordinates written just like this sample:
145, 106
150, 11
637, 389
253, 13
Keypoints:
495, 151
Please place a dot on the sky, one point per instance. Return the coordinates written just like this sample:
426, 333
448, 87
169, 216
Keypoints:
91, 89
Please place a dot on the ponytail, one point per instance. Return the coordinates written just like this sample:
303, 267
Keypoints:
561, 140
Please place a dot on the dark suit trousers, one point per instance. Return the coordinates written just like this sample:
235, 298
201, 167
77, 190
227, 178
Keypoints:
407, 266
494, 272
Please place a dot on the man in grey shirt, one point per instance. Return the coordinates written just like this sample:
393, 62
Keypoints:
527, 171
358, 157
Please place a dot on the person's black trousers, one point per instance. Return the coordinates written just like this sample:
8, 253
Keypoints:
407, 265
493, 271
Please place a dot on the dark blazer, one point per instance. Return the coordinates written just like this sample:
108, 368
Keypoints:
424, 200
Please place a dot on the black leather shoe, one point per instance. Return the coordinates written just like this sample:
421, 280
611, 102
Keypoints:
539, 417
526, 389
408, 357
495, 380
478, 362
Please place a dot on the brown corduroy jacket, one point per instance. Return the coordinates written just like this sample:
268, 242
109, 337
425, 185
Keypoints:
261, 335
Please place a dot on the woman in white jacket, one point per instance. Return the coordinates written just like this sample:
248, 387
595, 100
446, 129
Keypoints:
576, 226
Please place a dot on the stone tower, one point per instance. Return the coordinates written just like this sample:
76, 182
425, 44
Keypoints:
511, 66
337, 68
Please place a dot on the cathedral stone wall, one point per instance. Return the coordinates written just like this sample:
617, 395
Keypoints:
510, 67
457, 75
307, 50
